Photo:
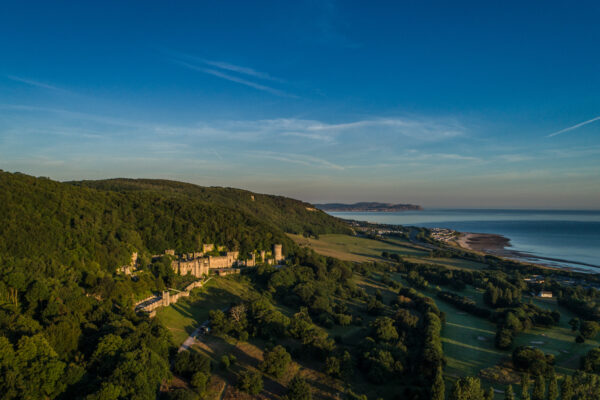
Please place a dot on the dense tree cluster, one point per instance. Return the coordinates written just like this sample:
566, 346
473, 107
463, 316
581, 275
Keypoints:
288, 214
465, 304
511, 321
532, 361
505, 295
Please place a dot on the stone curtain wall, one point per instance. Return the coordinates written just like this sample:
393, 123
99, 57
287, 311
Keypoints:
151, 304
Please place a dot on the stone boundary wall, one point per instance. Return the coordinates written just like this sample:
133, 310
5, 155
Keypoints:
151, 304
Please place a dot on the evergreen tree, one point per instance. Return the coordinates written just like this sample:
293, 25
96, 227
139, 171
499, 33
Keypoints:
456, 393
552, 387
438, 387
539, 388
509, 394
525, 387
566, 389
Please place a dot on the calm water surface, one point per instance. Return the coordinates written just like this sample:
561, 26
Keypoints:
568, 235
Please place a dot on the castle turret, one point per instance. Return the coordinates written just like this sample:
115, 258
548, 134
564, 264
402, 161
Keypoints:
278, 252
166, 298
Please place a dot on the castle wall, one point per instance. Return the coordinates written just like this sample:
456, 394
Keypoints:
196, 267
226, 261
166, 299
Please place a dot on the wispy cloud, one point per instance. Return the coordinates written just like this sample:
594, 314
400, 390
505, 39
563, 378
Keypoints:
231, 72
35, 83
302, 159
579, 125
425, 129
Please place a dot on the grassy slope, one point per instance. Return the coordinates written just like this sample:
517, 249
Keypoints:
188, 313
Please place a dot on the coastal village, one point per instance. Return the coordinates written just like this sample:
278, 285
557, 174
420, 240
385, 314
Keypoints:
210, 260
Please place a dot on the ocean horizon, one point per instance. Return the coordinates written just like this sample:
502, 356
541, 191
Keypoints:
572, 236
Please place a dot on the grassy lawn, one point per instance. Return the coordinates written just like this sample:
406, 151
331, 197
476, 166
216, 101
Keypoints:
558, 340
185, 316
352, 248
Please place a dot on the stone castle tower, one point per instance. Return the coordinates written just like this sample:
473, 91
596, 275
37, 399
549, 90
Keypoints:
278, 252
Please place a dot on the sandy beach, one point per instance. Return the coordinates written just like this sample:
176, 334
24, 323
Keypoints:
499, 245
484, 242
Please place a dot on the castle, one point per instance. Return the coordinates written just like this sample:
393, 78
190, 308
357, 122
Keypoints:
199, 263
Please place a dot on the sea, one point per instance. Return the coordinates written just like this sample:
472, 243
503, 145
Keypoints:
560, 238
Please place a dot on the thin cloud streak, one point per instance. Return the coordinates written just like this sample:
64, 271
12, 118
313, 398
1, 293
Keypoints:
579, 125
235, 79
31, 82
302, 159
241, 70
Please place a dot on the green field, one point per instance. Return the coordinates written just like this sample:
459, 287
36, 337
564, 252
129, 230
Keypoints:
352, 248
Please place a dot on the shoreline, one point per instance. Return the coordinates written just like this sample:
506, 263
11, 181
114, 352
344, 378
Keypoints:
497, 245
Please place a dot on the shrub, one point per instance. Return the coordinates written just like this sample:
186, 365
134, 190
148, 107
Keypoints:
199, 382
299, 389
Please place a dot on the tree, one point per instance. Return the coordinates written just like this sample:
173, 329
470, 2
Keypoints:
276, 361
574, 322
552, 387
438, 387
332, 366
250, 382
509, 394
218, 322
468, 388
591, 361
456, 393
589, 329
566, 389
299, 389
199, 381
525, 387
539, 388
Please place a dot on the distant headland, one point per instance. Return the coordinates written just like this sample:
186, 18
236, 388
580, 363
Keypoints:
368, 207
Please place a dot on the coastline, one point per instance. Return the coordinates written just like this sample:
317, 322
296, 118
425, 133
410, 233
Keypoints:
498, 245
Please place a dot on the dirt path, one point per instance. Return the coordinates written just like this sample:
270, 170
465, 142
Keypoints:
189, 342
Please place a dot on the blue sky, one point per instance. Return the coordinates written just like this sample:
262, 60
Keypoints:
452, 104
